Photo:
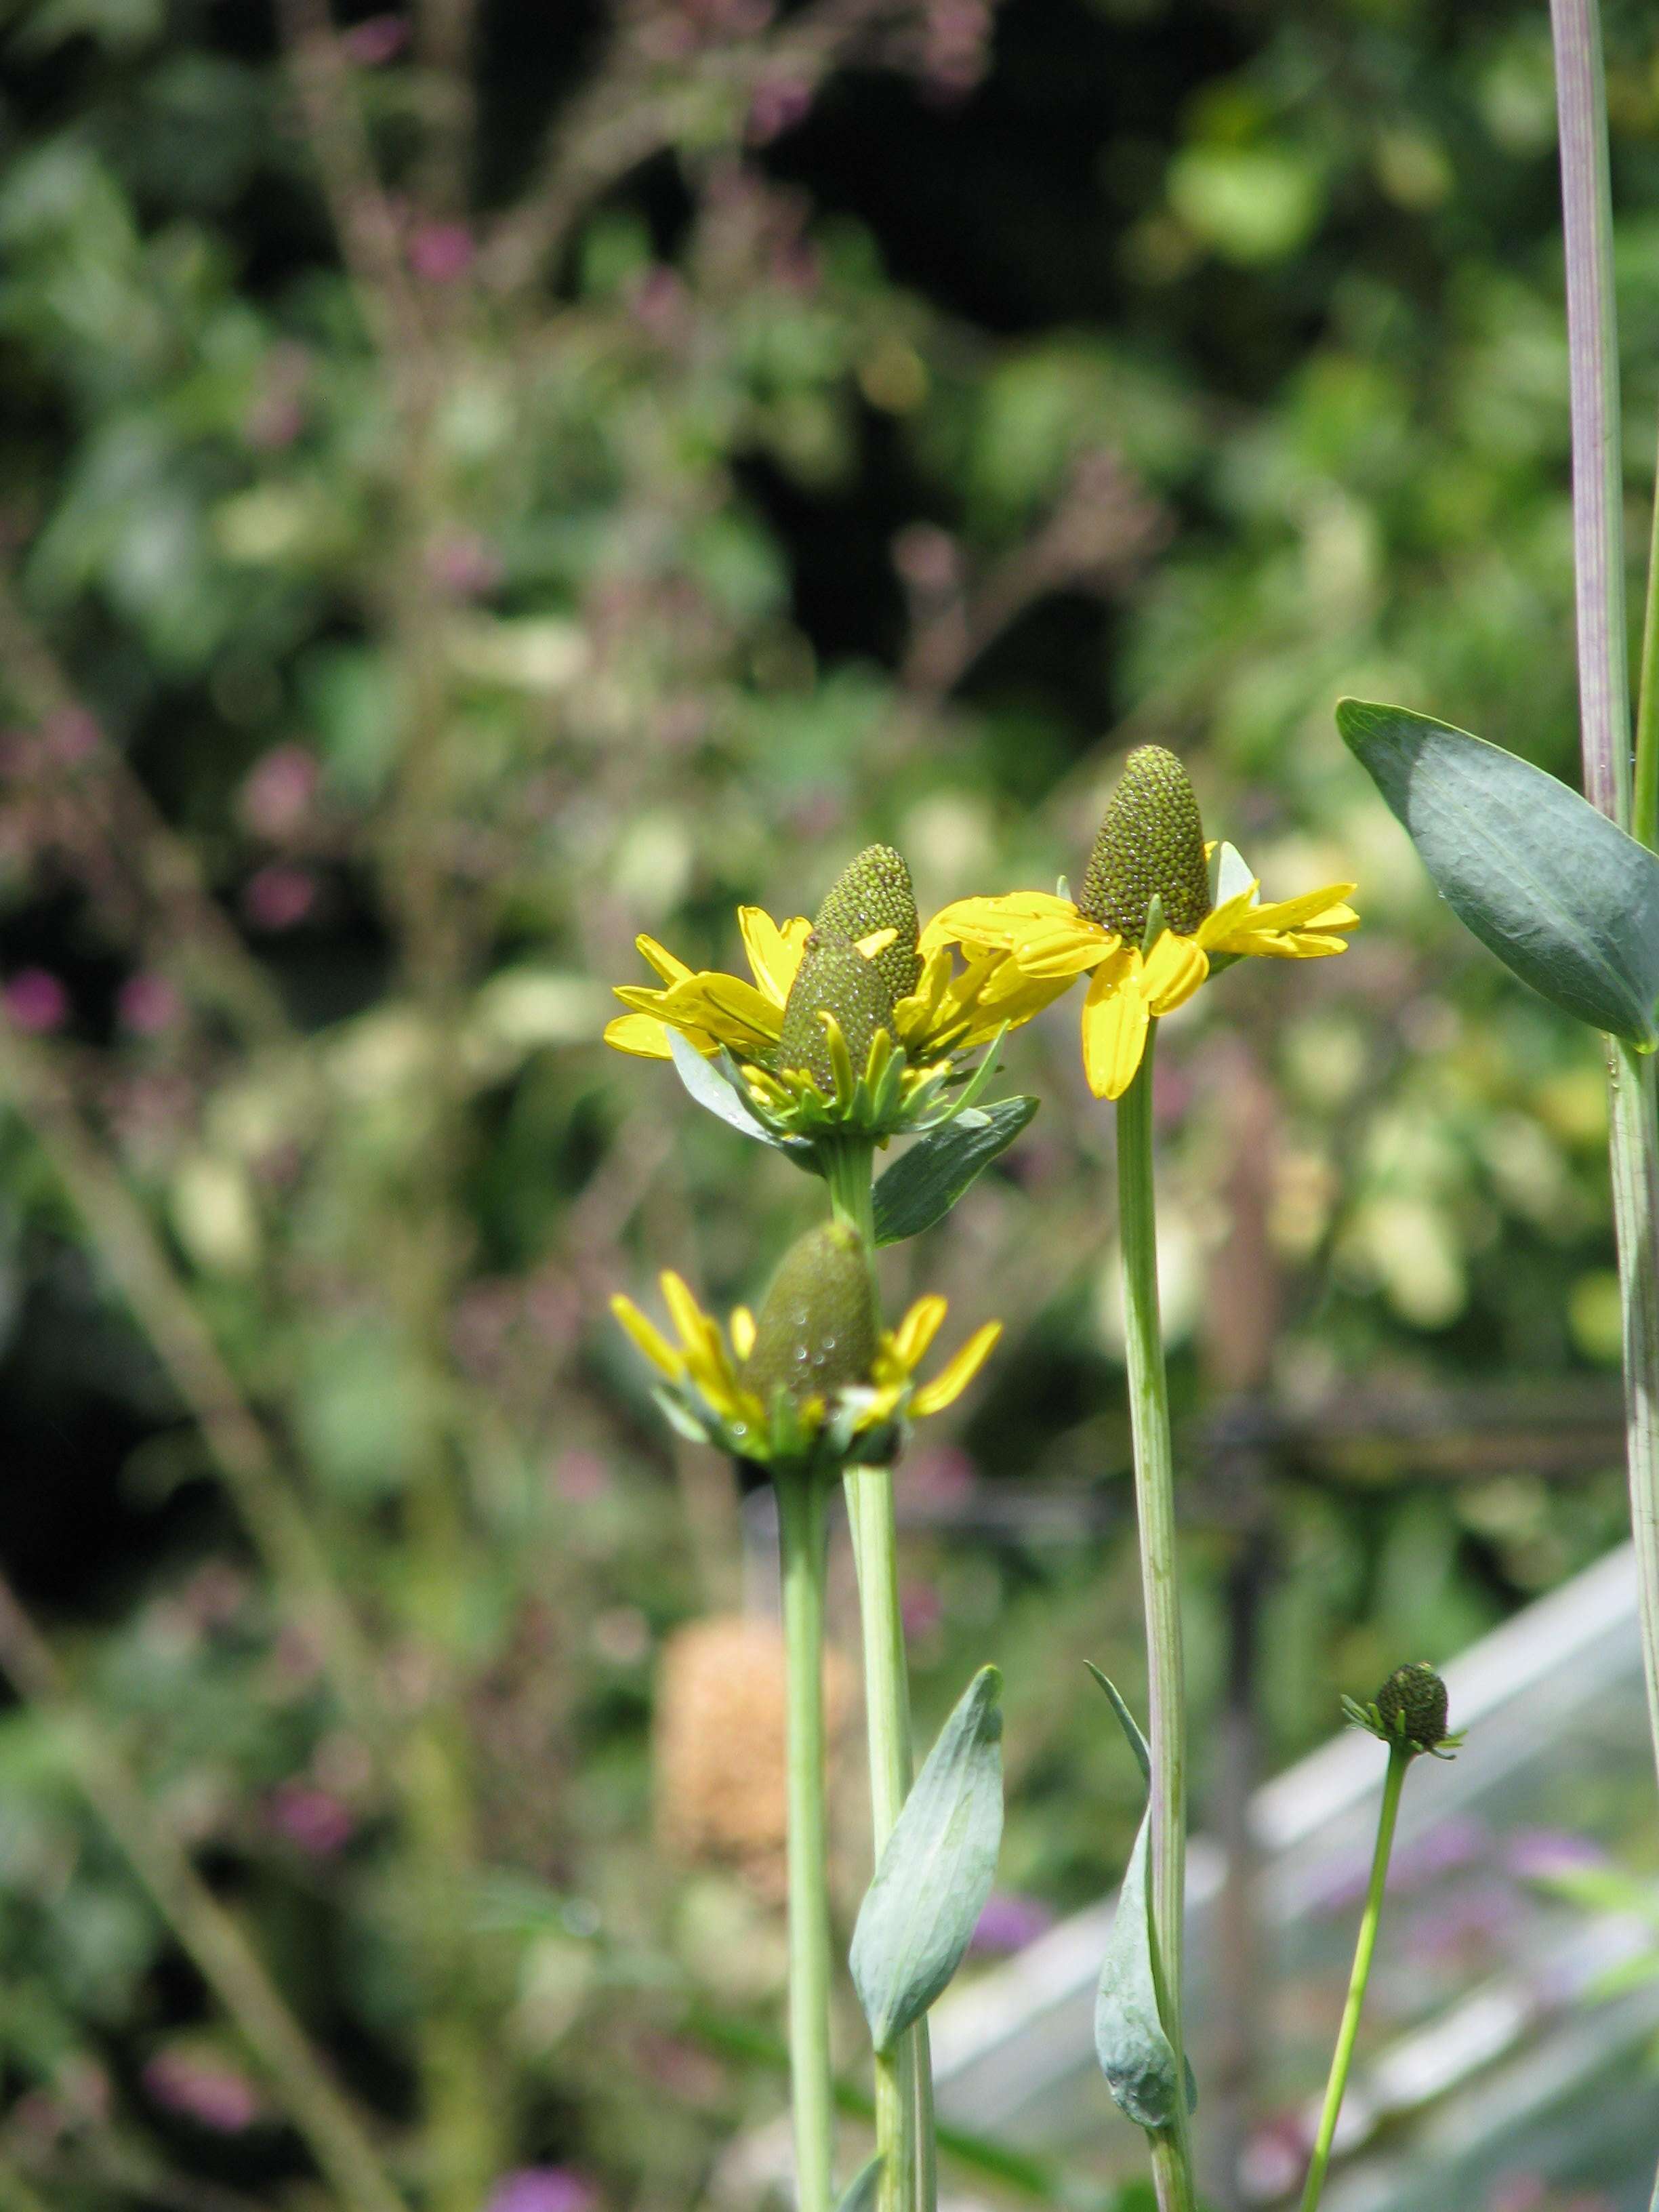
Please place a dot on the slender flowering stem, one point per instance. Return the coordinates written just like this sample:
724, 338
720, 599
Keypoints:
800, 1532
1400, 1755
1645, 809
903, 2097
1149, 1416
1603, 686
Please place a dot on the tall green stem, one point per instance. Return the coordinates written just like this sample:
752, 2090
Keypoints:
1149, 1417
903, 2082
1605, 732
1645, 808
1398, 1759
800, 1534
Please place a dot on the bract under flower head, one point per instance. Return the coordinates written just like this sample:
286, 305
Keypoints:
897, 1071
814, 1385
1144, 869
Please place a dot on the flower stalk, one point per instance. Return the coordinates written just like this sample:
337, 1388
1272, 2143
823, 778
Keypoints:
1148, 1415
1605, 732
1400, 1757
800, 1537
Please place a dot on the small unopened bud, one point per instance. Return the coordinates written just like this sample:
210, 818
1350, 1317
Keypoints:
875, 892
835, 978
1151, 845
815, 1331
1412, 1705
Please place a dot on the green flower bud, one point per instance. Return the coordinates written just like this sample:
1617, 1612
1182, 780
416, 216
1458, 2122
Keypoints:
1151, 845
875, 892
815, 1331
1411, 1705
834, 977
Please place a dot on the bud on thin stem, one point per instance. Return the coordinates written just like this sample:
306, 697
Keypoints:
815, 1331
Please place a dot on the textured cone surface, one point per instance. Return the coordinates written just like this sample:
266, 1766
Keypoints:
1412, 1703
1151, 845
816, 1329
875, 892
834, 977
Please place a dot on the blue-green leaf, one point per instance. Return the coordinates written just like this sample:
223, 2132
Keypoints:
936, 1873
1135, 2055
1560, 894
922, 1185
859, 2194
711, 1090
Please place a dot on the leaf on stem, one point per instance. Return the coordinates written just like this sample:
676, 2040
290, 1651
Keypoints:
1560, 894
936, 1872
860, 2191
1135, 2055
922, 1186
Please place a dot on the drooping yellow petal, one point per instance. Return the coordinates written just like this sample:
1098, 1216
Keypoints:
721, 1006
993, 923
773, 952
743, 1331
1301, 928
643, 1034
1114, 1018
1172, 971
917, 1331
953, 1379
1063, 946
668, 965
655, 1347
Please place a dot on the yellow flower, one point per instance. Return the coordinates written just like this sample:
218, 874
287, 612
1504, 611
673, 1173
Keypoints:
709, 1393
952, 1010
1150, 864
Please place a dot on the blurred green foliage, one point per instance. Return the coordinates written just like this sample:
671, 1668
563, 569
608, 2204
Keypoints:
470, 491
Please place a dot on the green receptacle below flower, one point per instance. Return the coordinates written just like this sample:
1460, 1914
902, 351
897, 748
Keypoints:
1409, 1710
813, 1382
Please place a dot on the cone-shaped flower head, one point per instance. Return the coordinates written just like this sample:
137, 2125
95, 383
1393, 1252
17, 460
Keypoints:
1409, 1709
1159, 913
816, 1332
873, 893
1150, 846
833, 978
1412, 1703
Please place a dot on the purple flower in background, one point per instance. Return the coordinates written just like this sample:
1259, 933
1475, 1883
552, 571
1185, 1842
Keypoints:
316, 1822
1008, 1924
36, 1001
379, 39
543, 2189
276, 897
919, 1608
1541, 1854
207, 2089
148, 1004
442, 251
276, 794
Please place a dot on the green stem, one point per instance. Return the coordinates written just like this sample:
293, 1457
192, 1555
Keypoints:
849, 1164
1149, 1418
1644, 807
1398, 1759
903, 2080
801, 1532
1605, 732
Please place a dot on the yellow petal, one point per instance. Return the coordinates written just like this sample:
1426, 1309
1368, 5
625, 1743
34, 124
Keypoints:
743, 1331
668, 965
687, 1315
655, 1347
1173, 968
643, 1034
953, 1379
1278, 930
992, 922
1114, 1018
724, 1007
1064, 945
773, 952
917, 1331
878, 941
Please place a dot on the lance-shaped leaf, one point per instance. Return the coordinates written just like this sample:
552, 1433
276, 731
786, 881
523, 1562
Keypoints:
936, 1873
1560, 894
922, 1186
1135, 2055
859, 2194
